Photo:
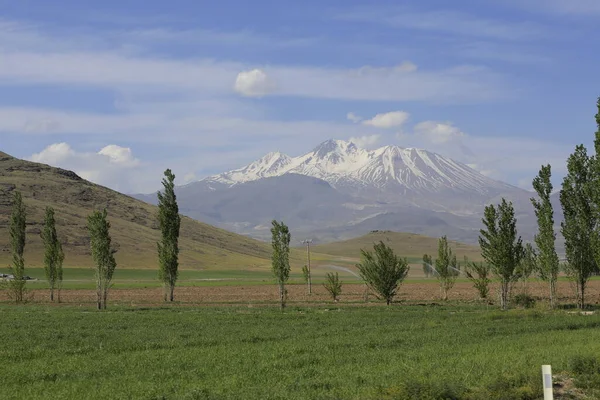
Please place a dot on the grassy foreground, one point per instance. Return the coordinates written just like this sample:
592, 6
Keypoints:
340, 353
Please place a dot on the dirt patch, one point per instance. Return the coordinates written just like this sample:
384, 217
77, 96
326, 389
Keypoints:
297, 294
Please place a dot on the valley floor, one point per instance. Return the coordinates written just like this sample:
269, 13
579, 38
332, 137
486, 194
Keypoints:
261, 293
335, 352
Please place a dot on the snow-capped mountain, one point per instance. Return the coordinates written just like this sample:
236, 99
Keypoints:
338, 191
386, 173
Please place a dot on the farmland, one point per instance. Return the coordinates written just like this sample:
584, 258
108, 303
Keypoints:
322, 352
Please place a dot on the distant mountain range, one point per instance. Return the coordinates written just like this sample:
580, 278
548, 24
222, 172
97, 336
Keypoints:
339, 191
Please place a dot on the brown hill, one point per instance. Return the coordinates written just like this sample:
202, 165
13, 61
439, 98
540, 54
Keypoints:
404, 244
134, 227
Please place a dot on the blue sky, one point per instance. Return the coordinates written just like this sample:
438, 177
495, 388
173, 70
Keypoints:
120, 90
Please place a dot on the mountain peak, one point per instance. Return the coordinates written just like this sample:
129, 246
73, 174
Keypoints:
390, 169
337, 145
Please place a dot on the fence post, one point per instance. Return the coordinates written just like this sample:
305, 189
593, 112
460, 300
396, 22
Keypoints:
547, 379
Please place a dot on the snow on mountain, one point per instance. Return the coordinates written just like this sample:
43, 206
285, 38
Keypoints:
390, 168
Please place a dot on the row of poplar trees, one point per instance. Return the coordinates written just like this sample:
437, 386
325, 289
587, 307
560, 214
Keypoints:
101, 246
509, 259
580, 202
53, 253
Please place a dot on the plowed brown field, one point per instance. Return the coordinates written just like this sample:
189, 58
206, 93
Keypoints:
267, 294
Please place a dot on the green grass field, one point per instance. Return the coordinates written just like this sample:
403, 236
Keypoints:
413, 352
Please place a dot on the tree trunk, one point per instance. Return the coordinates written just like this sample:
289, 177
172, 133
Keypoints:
104, 297
504, 295
52, 294
552, 293
171, 293
581, 299
99, 295
281, 296
388, 301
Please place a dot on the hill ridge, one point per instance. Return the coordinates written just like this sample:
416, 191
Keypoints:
134, 226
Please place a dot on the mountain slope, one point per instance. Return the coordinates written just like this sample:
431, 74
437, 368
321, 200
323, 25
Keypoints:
301, 201
391, 188
134, 228
390, 173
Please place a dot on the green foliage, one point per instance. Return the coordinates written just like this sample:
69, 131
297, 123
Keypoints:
427, 264
103, 254
333, 285
18, 221
446, 267
548, 263
170, 223
305, 273
53, 254
584, 364
479, 274
528, 264
501, 247
383, 271
280, 257
579, 220
260, 353
524, 300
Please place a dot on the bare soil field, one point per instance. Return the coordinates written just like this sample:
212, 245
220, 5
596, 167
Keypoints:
297, 294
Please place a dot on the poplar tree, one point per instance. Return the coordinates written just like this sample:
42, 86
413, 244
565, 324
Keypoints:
501, 247
446, 267
427, 265
579, 220
548, 263
280, 258
18, 221
102, 254
53, 253
170, 223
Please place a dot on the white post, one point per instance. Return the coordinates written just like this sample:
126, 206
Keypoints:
547, 378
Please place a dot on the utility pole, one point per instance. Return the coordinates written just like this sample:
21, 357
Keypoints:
308, 242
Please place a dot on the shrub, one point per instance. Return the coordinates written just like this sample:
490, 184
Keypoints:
524, 300
333, 285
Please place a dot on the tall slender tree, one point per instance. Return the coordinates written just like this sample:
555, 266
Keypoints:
427, 265
18, 221
170, 223
548, 263
501, 247
102, 253
446, 267
53, 253
529, 264
579, 220
280, 258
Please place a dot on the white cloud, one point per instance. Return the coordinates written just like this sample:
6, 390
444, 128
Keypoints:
387, 120
438, 132
53, 154
254, 83
353, 117
366, 141
112, 166
189, 177
119, 155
